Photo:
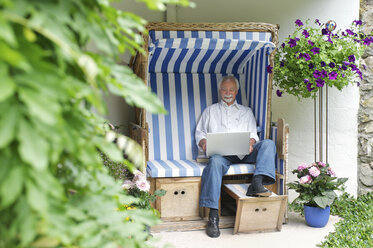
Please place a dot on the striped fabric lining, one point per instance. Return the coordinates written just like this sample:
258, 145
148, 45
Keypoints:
256, 85
197, 55
260, 36
189, 168
185, 95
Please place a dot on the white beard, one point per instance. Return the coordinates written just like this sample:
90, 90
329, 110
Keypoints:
227, 98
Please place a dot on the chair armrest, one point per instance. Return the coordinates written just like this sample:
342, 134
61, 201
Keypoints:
281, 139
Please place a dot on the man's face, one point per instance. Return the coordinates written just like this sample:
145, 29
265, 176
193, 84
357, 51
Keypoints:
228, 91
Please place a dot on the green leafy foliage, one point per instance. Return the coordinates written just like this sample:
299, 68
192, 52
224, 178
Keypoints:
54, 189
316, 185
314, 56
356, 227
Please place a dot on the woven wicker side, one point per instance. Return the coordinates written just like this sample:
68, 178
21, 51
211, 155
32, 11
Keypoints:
232, 26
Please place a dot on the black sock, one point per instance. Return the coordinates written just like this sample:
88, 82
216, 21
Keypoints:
213, 212
257, 182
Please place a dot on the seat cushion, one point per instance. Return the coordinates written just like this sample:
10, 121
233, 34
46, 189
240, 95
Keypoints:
189, 168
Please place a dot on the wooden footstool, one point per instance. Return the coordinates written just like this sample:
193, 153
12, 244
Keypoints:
256, 214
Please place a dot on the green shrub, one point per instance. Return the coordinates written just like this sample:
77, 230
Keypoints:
356, 227
54, 189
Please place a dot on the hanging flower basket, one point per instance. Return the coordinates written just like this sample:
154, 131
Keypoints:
314, 56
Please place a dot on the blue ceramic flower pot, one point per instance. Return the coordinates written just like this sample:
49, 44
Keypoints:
316, 217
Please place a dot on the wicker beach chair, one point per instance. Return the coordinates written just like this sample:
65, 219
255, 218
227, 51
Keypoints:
182, 66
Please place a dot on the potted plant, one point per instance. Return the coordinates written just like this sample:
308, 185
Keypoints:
316, 187
314, 56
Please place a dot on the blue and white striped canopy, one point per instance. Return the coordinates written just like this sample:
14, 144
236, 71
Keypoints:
205, 55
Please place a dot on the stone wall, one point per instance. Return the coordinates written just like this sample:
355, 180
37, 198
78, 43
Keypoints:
365, 113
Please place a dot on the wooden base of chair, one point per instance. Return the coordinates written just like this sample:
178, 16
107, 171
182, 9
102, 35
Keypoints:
256, 214
191, 225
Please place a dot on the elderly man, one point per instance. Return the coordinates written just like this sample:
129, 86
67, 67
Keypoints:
229, 116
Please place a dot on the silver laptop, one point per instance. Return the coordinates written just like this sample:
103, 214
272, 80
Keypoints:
232, 143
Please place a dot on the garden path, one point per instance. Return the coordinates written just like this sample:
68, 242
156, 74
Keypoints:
293, 234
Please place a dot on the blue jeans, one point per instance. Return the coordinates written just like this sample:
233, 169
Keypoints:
263, 155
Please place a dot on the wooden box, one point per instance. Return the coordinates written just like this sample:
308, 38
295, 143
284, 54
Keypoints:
181, 201
256, 214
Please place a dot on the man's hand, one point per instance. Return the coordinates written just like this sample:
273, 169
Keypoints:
202, 144
252, 142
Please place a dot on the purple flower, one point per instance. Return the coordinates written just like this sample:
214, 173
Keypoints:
324, 31
314, 171
305, 33
317, 74
309, 87
346, 63
317, 21
350, 32
320, 82
353, 67
283, 45
138, 175
330, 40
333, 75
343, 75
306, 80
128, 184
292, 43
310, 65
305, 179
299, 22
351, 58
324, 73
331, 65
279, 93
358, 84
368, 40
306, 56
269, 69
344, 67
315, 50
321, 164
282, 63
311, 43
143, 185
322, 64
358, 72
358, 22
302, 167
331, 172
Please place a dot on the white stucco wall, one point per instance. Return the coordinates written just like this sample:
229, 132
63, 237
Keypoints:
343, 105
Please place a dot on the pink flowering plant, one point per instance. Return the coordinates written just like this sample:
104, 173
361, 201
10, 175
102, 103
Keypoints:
315, 56
316, 184
139, 187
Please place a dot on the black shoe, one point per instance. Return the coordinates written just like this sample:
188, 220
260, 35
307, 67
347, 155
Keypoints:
261, 191
213, 227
